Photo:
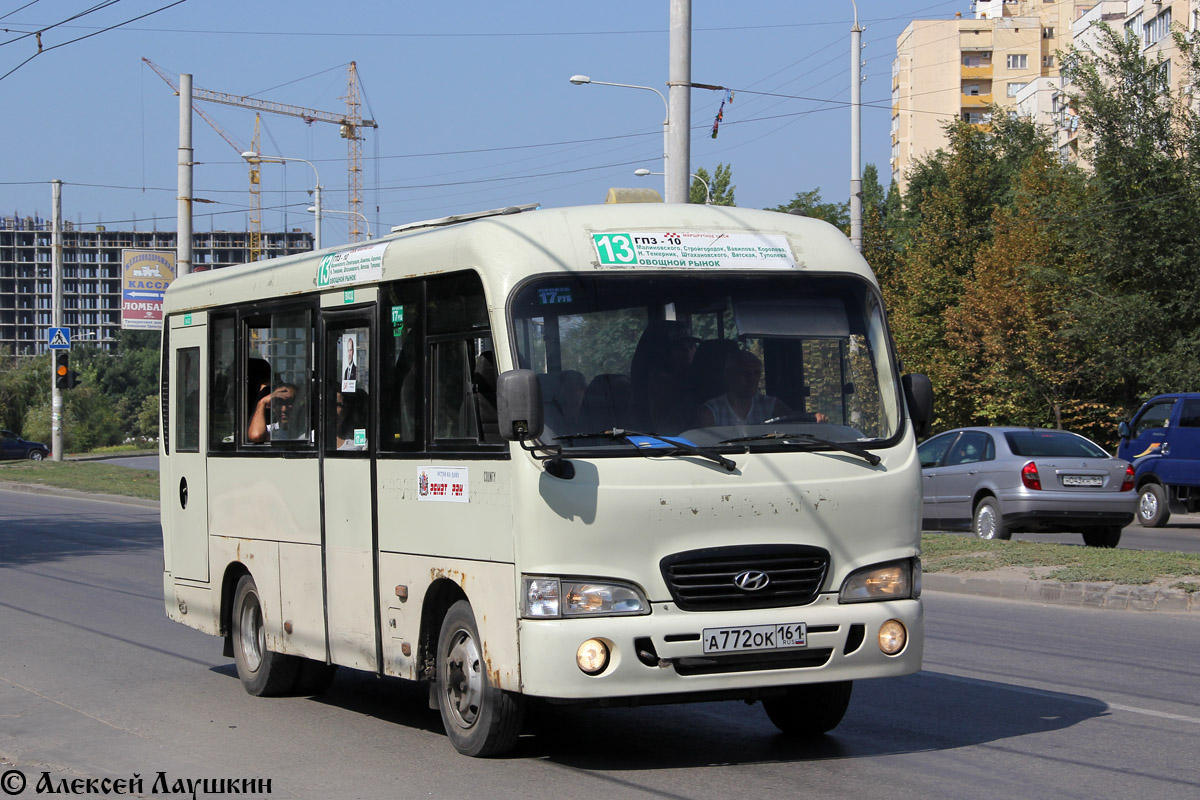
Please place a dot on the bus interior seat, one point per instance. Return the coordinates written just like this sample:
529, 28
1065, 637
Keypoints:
606, 401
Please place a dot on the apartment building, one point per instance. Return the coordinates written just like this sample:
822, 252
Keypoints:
962, 68
92, 286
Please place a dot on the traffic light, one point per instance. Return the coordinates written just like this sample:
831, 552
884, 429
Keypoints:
62, 370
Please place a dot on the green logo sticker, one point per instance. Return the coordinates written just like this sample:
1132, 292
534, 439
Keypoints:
348, 296
187, 319
360, 437
397, 321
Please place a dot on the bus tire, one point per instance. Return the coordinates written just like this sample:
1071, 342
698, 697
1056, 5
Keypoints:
262, 672
811, 709
1152, 508
480, 719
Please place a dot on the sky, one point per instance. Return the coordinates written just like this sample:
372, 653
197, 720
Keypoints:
473, 101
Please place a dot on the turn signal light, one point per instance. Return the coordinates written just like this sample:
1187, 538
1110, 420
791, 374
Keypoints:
1029, 477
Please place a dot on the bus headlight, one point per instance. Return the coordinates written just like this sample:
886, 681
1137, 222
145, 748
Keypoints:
895, 580
547, 597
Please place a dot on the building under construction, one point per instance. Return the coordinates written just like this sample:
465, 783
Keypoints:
91, 280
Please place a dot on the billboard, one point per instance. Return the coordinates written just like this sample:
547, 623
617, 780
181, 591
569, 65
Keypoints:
145, 276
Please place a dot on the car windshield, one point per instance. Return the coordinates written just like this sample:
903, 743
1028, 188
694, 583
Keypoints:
1040, 443
709, 358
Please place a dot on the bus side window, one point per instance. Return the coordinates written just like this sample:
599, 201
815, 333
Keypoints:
464, 391
401, 368
279, 379
187, 394
222, 419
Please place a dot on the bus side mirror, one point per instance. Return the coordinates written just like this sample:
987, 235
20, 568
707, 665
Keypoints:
918, 393
519, 405
1123, 430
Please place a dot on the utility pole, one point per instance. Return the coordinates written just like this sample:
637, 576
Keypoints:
183, 239
679, 115
856, 209
56, 399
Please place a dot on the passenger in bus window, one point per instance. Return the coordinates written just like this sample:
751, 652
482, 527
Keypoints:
279, 406
346, 407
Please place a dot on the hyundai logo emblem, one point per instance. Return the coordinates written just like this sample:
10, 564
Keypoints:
751, 580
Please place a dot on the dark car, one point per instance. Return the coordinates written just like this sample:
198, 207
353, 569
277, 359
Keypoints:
13, 446
996, 481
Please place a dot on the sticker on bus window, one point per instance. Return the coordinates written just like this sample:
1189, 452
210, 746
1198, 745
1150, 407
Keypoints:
443, 484
397, 321
683, 249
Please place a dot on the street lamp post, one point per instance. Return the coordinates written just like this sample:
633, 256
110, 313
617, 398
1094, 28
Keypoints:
359, 214
258, 158
643, 172
579, 80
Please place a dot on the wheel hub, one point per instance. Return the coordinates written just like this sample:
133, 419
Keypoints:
463, 680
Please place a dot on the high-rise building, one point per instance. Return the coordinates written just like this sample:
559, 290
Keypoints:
963, 68
92, 280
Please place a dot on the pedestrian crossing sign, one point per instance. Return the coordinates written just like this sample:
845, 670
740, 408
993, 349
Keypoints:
58, 338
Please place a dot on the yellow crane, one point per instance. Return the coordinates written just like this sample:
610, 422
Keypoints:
350, 123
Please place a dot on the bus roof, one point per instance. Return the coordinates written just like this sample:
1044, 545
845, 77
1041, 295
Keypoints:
507, 248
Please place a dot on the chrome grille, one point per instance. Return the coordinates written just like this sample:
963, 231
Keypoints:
703, 580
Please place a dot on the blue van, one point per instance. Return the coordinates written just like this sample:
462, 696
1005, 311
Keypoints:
1163, 444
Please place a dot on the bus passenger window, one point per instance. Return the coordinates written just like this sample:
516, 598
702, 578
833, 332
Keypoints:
401, 372
348, 387
222, 415
278, 378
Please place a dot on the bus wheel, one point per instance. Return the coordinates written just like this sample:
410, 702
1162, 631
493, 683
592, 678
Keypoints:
263, 673
810, 710
1152, 510
480, 719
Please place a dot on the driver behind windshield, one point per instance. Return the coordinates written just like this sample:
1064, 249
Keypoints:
742, 403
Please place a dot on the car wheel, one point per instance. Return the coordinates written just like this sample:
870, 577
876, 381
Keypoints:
987, 523
480, 719
1102, 537
37, 455
1152, 511
263, 673
810, 710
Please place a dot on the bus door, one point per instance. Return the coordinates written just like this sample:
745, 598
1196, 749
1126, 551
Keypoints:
348, 489
185, 483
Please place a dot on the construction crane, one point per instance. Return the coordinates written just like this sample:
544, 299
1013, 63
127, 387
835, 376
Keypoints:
350, 124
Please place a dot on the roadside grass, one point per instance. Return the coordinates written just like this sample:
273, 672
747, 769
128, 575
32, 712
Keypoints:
84, 476
943, 552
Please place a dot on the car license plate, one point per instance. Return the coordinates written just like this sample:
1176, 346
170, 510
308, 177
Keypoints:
1082, 480
755, 637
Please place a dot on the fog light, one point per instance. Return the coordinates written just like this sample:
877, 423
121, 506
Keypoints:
892, 637
592, 656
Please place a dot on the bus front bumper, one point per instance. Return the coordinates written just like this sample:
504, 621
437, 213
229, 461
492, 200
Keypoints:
661, 655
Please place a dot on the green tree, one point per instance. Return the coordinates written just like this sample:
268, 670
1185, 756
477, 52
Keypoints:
719, 183
810, 204
1139, 308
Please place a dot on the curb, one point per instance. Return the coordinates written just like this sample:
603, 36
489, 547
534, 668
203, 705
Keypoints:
1092, 595
37, 488
107, 456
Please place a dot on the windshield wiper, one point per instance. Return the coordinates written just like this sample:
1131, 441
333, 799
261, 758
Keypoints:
847, 447
676, 445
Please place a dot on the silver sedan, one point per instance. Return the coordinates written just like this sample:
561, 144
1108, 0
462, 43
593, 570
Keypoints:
997, 481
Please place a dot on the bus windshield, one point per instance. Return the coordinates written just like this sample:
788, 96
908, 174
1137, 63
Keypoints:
708, 358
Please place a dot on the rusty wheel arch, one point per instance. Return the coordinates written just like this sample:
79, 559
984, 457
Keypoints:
440, 595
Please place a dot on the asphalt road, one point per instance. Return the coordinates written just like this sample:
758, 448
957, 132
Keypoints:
1016, 701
